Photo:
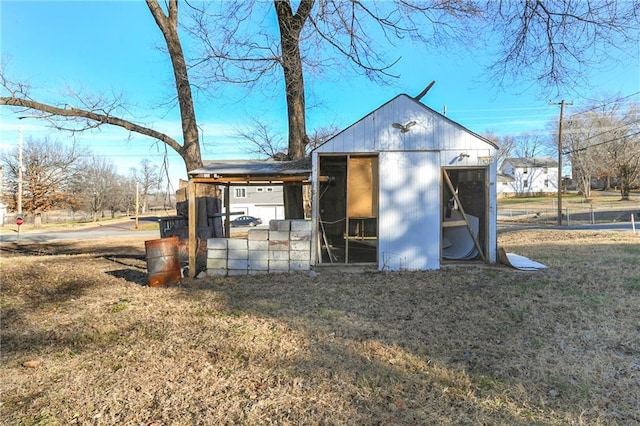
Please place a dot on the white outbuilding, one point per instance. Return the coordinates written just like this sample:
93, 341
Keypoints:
404, 188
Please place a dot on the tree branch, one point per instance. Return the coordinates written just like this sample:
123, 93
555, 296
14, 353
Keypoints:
90, 115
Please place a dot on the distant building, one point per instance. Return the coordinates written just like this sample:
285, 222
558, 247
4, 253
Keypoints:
528, 176
265, 202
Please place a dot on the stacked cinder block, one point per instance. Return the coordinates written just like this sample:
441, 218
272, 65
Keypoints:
238, 257
284, 247
258, 240
217, 254
279, 245
300, 245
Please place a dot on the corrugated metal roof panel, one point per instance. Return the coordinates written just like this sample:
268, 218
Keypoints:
253, 168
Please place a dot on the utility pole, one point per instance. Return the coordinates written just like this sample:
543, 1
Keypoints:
137, 202
20, 170
19, 217
562, 104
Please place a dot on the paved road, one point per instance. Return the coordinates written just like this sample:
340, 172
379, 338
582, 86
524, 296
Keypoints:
94, 232
125, 230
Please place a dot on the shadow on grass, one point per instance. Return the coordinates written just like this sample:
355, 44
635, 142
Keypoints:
462, 345
483, 343
131, 275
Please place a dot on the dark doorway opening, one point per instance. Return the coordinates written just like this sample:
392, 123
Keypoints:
465, 212
348, 209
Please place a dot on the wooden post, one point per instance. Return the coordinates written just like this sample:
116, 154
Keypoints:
137, 202
562, 105
193, 226
227, 211
560, 165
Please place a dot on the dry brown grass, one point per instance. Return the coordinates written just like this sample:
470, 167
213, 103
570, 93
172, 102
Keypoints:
464, 345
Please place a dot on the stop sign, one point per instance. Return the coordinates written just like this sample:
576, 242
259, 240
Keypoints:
19, 221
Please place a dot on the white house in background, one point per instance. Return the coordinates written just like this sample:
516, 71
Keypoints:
528, 176
264, 201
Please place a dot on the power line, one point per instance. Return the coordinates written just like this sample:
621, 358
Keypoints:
609, 103
609, 130
600, 143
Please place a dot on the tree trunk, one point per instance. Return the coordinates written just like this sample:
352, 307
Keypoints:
190, 151
290, 27
625, 188
293, 201
168, 24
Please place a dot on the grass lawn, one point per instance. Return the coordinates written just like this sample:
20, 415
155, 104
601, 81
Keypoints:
84, 341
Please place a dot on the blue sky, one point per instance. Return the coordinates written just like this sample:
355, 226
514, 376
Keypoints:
111, 47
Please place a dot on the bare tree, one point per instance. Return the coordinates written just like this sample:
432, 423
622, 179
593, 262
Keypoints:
581, 130
122, 195
624, 151
553, 43
149, 177
266, 142
506, 145
321, 135
262, 139
238, 51
603, 142
549, 42
49, 172
89, 112
99, 185
557, 44
528, 145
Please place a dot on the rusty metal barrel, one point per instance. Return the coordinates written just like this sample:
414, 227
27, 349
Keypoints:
163, 261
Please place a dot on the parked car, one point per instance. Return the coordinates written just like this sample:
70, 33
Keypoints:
246, 221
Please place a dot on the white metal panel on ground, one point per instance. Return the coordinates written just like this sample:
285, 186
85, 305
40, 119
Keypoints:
409, 211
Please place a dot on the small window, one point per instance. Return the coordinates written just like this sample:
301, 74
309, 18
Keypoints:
504, 183
241, 193
546, 183
259, 189
525, 183
269, 189
525, 171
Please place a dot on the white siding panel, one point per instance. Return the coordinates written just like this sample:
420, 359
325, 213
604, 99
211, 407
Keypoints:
419, 136
375, 132
409, 230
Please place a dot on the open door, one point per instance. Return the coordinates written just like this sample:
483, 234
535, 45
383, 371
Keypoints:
348, 209
465, 213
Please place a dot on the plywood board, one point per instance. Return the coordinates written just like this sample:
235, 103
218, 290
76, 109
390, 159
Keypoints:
362, 187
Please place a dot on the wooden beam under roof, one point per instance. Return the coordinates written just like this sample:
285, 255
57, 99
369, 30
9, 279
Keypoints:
251, 179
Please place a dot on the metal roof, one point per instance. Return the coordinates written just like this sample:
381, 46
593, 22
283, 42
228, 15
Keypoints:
505, 178
253, 170
531, 162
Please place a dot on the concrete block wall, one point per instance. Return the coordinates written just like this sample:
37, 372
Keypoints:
284, 247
